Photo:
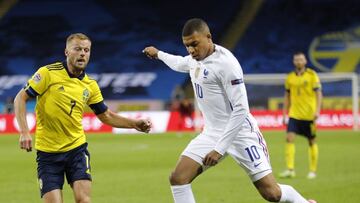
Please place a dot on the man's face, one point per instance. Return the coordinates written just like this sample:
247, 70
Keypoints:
78, 53
299, 61
198, 45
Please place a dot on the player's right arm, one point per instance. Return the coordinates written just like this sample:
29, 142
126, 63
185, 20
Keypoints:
36, 85
177, 63
286, 105
286, 101
25, 140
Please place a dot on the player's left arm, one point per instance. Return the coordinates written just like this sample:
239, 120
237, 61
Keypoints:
113, 119
319, 97
318, 94
232, 81
96, 103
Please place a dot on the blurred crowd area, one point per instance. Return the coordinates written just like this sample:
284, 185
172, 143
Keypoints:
33, 33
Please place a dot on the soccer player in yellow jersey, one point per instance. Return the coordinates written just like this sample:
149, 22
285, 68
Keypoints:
62, 90
302, 102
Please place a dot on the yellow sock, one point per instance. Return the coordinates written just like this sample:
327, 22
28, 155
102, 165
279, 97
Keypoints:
290, 155
313, 157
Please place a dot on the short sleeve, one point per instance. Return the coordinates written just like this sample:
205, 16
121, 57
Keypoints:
95, 96
96, 100
38, 83
287, 84
316, 82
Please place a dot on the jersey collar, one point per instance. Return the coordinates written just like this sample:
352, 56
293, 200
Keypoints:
81, 76
300, 74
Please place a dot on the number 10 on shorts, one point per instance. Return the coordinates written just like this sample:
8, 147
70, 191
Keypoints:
253, 153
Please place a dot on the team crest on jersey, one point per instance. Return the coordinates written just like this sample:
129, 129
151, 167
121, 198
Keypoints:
197, 71
86, 95
305, 83
206, 73
36, 78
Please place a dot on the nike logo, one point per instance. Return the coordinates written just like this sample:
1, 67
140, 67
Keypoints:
256, 165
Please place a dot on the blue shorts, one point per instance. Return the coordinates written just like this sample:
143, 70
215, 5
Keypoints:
302, 127
52, 167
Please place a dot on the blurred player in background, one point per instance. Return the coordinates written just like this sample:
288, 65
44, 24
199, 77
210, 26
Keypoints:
62, 91
9, 105
302, 102
217, 80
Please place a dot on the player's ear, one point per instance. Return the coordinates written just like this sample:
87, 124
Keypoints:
208, 36
66, 52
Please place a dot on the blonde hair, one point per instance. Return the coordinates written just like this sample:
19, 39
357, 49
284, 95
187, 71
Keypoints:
80, 36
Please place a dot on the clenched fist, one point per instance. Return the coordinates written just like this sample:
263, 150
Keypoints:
151, 52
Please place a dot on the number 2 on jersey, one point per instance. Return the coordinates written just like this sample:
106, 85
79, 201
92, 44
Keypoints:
198, 90
73, 103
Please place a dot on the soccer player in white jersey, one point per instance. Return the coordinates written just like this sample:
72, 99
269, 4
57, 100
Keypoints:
218, 83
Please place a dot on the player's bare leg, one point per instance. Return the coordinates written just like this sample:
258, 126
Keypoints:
54, 196
271, 191
268, 188
82, 191
185, 172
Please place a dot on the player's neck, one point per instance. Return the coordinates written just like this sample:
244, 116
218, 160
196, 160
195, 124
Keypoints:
300, 71
211, 50
74, 71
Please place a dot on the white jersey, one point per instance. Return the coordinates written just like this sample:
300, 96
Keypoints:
220, 92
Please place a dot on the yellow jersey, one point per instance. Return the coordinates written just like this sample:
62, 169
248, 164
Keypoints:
61, 99
302, 89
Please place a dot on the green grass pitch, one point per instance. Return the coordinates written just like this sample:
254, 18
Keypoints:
135, 168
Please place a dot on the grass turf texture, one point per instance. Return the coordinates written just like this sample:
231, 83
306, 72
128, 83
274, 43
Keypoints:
135, 168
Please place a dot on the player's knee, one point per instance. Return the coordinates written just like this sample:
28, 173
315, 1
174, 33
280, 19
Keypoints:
271, 194
83, 199
178, 179
290, 139
311, 142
